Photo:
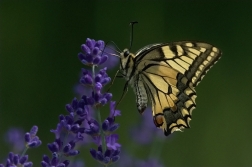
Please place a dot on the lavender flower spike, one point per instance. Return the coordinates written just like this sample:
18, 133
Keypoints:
100, 131
79, 121
32, 141
15, 160
92, 53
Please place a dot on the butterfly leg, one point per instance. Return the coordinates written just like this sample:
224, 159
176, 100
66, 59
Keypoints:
113, 80
125, 90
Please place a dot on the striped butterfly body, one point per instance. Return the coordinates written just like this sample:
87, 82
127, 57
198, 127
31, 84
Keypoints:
166, 75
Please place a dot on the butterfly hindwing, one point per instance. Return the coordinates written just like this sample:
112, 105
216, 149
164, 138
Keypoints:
172, 100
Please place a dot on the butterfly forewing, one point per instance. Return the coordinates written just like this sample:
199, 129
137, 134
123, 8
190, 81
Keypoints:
167, 74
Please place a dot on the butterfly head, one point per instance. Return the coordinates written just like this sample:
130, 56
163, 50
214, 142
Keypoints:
126, 59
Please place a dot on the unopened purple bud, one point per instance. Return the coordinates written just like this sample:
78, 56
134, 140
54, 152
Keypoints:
23, 159
97, 96
75, 103
98, 78
103, 101
88, 131
90, 101
53, 147
66, 162
34, 130
104, 58
97, 60
100, 148
94, 128
46, 159
55, 159
27, 137
93, 153
88, 79
69, 108
75, 128
106, 80
72, 143
103, 71
44, 164
99, 156
98, 86
108, 96
34, 144
61, 117
106, 160
73, 152
15, 159
96, 51
114, 127
80, 111
111, 120
81, 103
11, 155
90, 43
85, 49
107, 153
89, 58
81, 56
100, 44
105, 125
115, 158
67, 148
84, 71
28, 164
116, 152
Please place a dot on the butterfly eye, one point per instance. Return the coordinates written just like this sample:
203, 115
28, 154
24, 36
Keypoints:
126, 53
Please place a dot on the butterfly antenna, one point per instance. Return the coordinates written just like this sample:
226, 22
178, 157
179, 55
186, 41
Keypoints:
131, 33
115, 46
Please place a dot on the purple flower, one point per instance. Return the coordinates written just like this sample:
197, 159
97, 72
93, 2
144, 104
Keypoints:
92, 53
80, 120
32, 141
112, 142
107, 157
15, 160
54, 162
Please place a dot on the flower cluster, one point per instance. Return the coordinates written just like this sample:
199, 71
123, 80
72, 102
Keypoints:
80, 121
92, 53
14, 160
101, 132
31, 140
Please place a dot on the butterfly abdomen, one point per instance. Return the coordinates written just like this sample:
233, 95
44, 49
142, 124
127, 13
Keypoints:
141, 94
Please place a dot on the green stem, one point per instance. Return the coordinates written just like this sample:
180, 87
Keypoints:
104, 147
23, 153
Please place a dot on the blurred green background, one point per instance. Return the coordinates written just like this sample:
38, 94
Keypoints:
39, 42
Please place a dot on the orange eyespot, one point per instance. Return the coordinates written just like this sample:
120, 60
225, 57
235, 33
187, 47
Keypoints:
158, 120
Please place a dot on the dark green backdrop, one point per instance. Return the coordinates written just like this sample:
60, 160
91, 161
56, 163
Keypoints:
39, 42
